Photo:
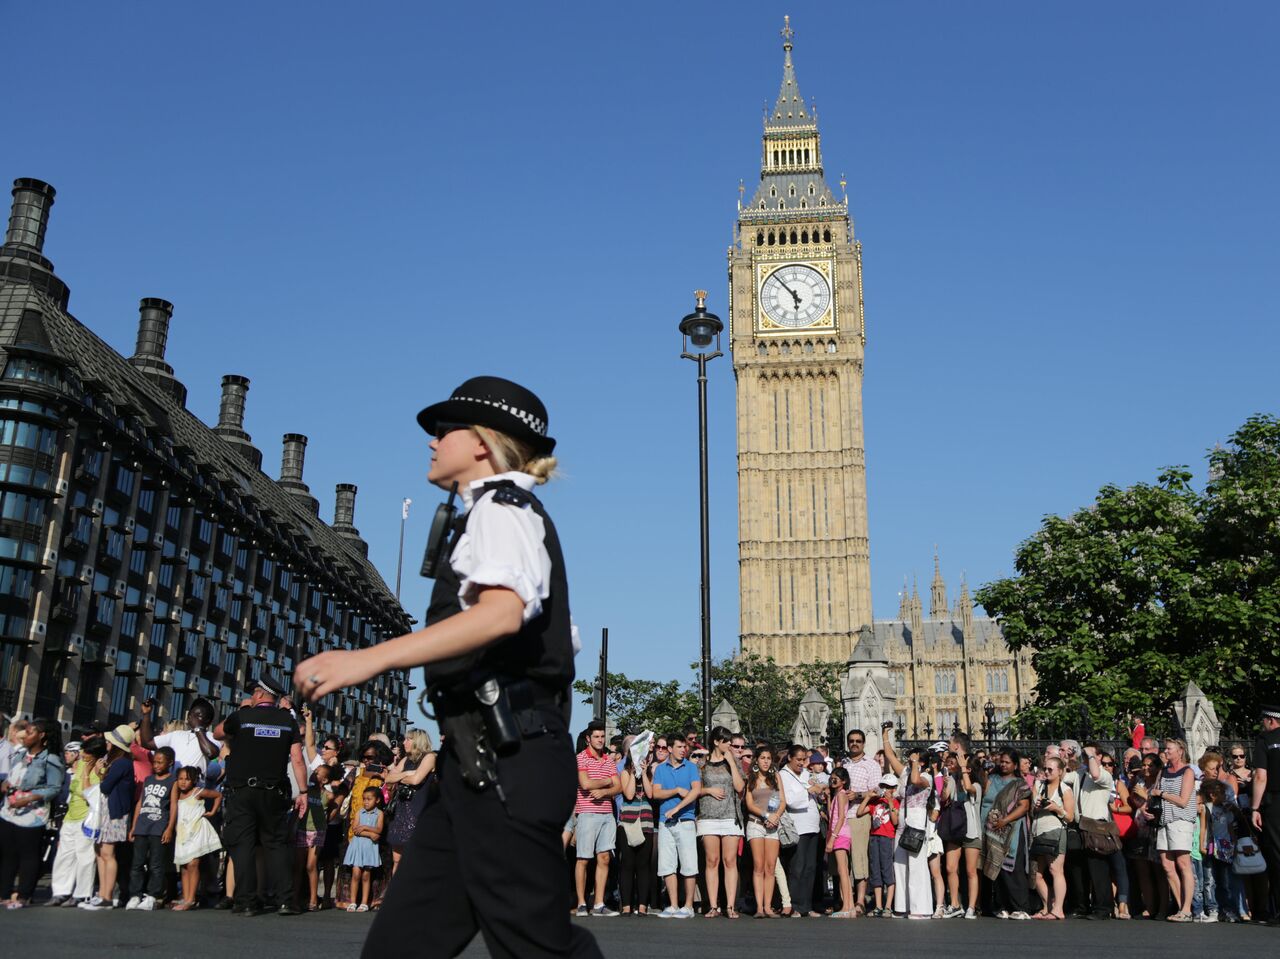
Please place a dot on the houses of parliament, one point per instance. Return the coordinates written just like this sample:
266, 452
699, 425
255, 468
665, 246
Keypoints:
798, 334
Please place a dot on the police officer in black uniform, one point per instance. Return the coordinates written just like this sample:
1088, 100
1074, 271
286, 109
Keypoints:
1266, 794
498, 653
266, 747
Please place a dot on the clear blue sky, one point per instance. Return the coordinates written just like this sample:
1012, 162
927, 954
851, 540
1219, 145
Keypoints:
1068, 215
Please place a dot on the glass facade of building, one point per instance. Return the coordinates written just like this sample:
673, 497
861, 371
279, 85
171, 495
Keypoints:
143, 553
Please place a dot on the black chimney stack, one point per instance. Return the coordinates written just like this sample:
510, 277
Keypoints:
29, 216
153, 337
231, 418
22, 258
291, 463
344, 517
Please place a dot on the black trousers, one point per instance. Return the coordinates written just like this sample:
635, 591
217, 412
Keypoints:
637, 868
801, 862
1099, 866
155, 857
256, 817
1009, 889
19, 857
1271, 842
475, 865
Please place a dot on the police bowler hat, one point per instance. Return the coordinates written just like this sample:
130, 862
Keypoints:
496, 403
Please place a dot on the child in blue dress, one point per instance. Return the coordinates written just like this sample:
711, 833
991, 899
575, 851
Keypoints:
362, 851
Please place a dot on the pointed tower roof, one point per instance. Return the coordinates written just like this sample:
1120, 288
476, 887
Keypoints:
789, 112
791, 175
937, 591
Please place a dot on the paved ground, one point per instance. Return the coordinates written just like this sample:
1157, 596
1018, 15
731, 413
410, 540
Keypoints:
72, 934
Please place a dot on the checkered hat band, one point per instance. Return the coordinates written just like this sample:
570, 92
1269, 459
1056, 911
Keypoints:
534, 423
1271, 712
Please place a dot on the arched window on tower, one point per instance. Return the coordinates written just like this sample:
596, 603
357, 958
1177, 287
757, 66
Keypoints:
770, 235
811, 190
804, 204
791, 154
791, 191
782, 237
775, 157
793, 236
806, 155
760, 238
826, 236
804, 237
773, 191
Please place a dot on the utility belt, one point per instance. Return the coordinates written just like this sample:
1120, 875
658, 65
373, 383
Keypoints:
277, 785
485, 720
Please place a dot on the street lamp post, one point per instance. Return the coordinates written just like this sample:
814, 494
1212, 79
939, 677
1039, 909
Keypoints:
989, 725
404, 518
701, 329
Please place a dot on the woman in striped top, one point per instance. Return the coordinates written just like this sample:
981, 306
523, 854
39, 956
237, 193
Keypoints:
1178, 804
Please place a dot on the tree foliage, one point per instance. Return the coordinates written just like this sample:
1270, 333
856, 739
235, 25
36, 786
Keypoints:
767, 696
1152, 586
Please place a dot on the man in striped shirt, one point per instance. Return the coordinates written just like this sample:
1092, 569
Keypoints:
596, 831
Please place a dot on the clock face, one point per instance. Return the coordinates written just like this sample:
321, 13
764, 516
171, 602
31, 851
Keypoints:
795, 295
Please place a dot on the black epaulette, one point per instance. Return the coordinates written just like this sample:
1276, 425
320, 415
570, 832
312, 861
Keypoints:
511, 495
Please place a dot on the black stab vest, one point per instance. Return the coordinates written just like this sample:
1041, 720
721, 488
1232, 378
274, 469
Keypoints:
543, 648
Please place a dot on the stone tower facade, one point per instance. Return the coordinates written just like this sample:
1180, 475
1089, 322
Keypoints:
797, 335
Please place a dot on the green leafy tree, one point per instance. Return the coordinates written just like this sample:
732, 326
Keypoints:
767, 696
1153, 585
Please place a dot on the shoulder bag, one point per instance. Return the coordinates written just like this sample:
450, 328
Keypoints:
1100, 836
1248, 860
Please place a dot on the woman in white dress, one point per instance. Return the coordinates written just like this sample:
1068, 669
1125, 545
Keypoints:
913, 887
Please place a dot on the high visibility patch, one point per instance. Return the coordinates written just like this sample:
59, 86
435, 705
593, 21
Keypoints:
267, 732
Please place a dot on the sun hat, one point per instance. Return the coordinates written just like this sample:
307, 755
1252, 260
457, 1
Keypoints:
121, 737
889, 779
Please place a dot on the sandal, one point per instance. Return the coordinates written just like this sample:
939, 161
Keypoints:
711, 914
182, 905
1179, 917
731, 913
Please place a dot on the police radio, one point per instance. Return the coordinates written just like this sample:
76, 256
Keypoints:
438, 539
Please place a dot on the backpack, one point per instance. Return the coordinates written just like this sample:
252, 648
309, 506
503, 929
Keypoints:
953, 824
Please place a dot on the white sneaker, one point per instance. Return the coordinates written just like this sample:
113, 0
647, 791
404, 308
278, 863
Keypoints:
147, 904
671, 912
133, 902
1019, 915
685, 913
1002, 914
971, 914
94, 904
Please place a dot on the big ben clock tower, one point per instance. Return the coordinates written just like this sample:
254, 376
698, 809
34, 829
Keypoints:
797, 336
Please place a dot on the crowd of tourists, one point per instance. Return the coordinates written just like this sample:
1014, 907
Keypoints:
670, 827
132, 817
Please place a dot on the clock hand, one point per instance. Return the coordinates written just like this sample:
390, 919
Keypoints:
794, 296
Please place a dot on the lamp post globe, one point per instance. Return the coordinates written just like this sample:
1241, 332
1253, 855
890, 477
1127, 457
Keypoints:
702, 328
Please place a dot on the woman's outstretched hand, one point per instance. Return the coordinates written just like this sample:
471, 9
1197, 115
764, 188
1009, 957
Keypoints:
336, 669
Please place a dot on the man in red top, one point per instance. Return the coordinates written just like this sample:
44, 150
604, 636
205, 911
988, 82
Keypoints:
596, 830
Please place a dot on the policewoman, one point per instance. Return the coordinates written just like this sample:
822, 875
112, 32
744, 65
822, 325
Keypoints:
1266, 791
498, 648
266, 747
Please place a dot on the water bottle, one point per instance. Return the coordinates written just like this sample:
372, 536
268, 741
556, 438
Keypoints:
773, 804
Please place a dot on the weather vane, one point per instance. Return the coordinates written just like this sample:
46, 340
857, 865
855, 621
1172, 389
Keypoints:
787, 33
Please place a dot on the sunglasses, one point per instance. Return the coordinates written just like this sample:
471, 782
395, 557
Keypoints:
1109, 764
1237, 756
